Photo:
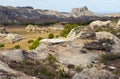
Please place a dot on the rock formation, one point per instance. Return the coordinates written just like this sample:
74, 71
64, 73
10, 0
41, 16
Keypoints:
3, 30
32, 28
11, 38
94, 73
81, 32
76, 12
98, 24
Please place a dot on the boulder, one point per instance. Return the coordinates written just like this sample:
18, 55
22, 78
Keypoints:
81, 32
12, 55
7, 73
94, 73
108, 35
3, 30
32, 28
98, 23
12, 38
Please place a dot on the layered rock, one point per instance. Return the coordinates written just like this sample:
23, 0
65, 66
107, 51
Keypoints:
81, 32
32, 28
94, 73
11, 38
81, 12
100, 24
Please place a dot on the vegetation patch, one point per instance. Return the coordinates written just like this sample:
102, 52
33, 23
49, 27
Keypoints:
1, 45
35, 43
67, 29
17, 47
51, 36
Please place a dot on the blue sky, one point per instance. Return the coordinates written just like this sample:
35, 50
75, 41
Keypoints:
98, 6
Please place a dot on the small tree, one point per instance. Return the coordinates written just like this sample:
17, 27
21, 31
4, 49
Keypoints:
1, 45
17, 47
51, 35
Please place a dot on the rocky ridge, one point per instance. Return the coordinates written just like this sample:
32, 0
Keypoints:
27, 15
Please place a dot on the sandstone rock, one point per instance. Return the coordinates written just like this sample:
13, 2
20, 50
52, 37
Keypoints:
108, 35
81, 12
3, 30
98, 23
32, 28
94, 73
83, 33
6, 72
67, 52
53, 41
12, 38
12, 55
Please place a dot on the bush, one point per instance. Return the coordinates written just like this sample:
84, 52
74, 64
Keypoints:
35, 43
51, 35
30, 41
17, 47
1, 45
67, 29
64, 33
57, 36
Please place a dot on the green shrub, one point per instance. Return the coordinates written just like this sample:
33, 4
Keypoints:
30, 41
57, 36
1, 45
64, 33
35, 43
17, 47
51, 35
67, 29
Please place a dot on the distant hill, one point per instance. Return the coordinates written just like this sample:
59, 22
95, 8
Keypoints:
29, 15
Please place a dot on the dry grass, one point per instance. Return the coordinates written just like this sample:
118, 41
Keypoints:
28, 36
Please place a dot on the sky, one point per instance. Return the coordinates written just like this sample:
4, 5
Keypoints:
97, 6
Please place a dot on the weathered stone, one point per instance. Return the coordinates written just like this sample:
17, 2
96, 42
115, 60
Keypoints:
12, 38
94, 73
81, 11
32, 28
98, 23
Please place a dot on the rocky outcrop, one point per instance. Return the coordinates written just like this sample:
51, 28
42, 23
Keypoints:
12, 55
3, 30
76, 12
11, 38
81, 32
94, 73
99, 24
32, 28
8, 73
